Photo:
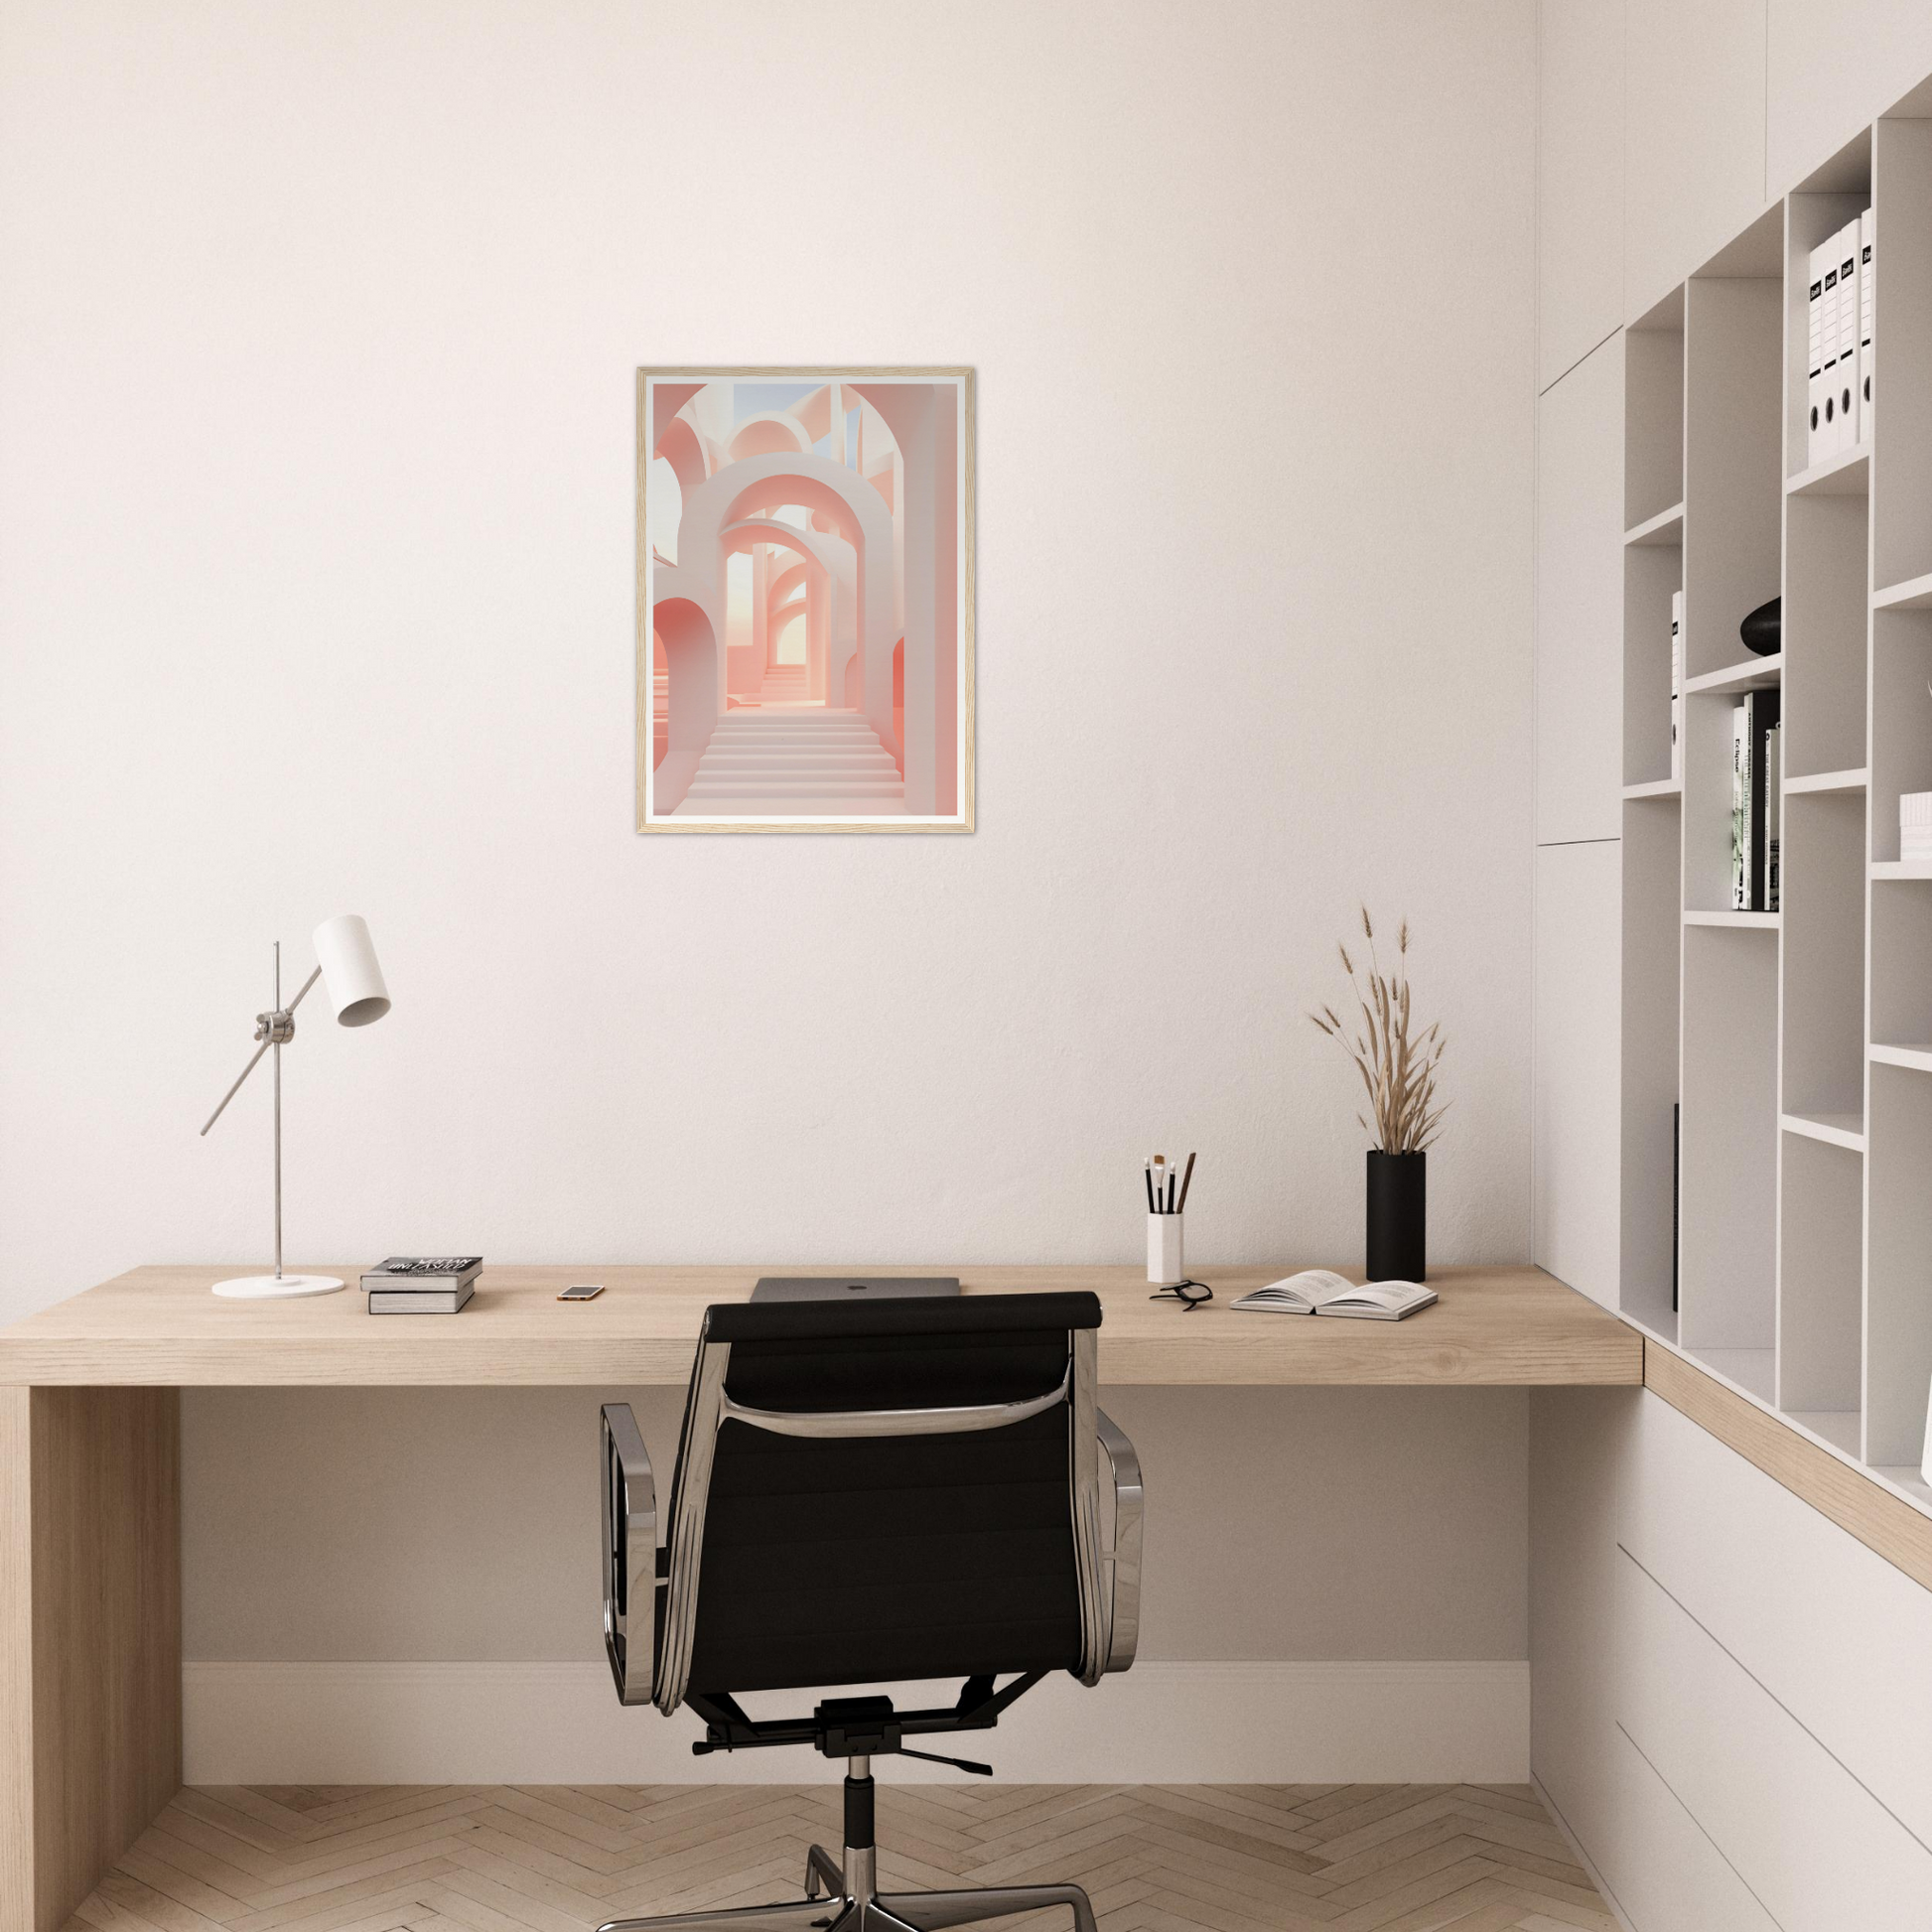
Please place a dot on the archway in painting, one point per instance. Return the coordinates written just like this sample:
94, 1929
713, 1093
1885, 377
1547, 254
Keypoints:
808, 647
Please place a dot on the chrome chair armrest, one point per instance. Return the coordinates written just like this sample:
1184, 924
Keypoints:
841, 1423
1124, 1559
629, 1555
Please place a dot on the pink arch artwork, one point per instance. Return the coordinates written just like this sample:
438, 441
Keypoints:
805, 658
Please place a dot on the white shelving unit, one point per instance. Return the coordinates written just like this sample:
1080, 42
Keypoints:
1797, 1044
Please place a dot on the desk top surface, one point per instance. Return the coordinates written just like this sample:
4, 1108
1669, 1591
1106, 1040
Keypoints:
160, 1327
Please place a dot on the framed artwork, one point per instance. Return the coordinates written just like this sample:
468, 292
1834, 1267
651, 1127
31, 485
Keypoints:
804, 599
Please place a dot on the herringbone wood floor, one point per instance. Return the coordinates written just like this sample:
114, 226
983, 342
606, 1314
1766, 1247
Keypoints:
562, 1857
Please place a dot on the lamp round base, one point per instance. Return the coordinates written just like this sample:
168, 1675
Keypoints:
276, 1288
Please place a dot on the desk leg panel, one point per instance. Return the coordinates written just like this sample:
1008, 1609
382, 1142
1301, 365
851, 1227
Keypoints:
90, 1637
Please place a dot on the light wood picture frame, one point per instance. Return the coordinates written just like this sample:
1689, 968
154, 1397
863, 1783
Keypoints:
804, 599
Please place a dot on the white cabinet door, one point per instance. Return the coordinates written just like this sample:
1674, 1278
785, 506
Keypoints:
1818, 1851
1578, 179
1693, 137
1835, 64
1660, 1867
1575, 1202
1580, 602
1782, 1588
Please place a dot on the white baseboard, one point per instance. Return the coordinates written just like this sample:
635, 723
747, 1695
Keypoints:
561, 1723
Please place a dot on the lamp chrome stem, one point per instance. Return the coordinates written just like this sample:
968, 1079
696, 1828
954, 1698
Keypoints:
272, 1029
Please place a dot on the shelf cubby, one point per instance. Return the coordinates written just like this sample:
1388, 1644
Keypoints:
1898, 1311
1901, 719
1733, 434
1653, 942
1901, 963
1820, 1279
1653, 437
1707, 804
1825, 612
1812, 216
1652, 573
1730, 1084
1901, 401
1823, 921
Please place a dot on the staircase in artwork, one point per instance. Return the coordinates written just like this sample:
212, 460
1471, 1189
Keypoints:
763, 763
783, 684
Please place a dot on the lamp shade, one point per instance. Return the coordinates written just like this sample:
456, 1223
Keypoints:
349, 975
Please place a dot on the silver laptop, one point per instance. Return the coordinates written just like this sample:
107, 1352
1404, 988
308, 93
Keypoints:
849, 1288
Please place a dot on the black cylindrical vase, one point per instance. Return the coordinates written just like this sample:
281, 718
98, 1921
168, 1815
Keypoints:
1397, 1217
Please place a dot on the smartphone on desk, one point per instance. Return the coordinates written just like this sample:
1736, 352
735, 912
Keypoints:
582, 1291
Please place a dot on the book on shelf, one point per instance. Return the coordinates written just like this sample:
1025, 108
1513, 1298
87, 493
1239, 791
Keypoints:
1677, 687
1320, 1291
1868, 302
1815, 358
1847, 393
1825, 267
420, 1301
1773, 807
1740, 811
1753, 720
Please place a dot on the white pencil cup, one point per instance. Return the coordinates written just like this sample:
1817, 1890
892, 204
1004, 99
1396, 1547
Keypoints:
1164, 1249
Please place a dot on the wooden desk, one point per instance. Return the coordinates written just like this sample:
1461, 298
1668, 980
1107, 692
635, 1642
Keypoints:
89, 1462
161, 1327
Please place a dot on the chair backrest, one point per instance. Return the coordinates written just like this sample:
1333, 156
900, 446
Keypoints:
884, 1491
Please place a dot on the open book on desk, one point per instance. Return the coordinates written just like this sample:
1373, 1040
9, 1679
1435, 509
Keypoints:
1320, 1291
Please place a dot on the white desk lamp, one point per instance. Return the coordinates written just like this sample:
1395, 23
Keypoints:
346, 965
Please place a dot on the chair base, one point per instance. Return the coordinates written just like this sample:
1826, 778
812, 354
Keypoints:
856, 1907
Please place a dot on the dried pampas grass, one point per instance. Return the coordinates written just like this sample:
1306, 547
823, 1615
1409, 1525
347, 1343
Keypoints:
1398, 1072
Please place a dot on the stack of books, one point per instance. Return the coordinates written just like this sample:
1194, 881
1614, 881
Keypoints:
422, 1284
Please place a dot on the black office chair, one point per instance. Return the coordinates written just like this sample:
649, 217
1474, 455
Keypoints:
866, 1494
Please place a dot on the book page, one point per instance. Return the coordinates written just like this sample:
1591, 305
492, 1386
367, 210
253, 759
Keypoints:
1380, 1295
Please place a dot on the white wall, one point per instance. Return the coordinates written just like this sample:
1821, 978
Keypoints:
316, 341
1282, 1522
316, 489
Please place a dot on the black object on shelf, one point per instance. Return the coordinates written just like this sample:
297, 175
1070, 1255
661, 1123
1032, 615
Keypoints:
1763, 631
1397, 1217
1676, 1194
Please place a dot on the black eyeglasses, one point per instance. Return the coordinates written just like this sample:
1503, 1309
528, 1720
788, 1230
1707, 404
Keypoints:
1191, 1294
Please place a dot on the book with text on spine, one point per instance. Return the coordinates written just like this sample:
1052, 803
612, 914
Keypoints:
1740, 811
